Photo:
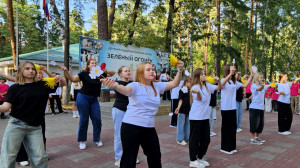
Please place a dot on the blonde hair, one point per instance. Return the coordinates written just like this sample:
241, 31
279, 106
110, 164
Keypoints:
140, 75
256, 76
20, 78
196, 81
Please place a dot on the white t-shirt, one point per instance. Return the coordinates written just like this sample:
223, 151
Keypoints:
175, 91
228, 95
163, 77
258, 97
286, 88
143, 104
199, 109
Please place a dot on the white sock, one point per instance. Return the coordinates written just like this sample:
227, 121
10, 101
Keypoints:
74, 112
251, 139
77, 113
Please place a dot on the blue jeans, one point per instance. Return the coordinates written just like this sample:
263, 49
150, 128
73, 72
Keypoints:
88, 106
238, 114
212, 118
117, 116
183, 127
16, 132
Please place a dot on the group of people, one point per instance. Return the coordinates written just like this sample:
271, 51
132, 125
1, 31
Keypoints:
134, 112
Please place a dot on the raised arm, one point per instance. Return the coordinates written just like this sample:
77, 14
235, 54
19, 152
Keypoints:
220, 86
125, 90
110, 73
176, 81
61, 81
5, 107
228, 77
45, 70
68, 75
8, 77
262, 85
248, 81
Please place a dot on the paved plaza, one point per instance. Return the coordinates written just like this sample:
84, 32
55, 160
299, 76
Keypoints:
279, 151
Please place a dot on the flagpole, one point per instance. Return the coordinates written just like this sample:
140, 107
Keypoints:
47, 46
17, 36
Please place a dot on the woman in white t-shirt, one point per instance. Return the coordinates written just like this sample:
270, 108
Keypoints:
256, 112
138, 123
228, 109
285, 115
199, 117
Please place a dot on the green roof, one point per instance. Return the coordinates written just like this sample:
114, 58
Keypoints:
55, 54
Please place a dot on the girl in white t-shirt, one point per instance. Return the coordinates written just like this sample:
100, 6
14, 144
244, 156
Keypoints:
228, 109
138, 123
199, 117
285, 115
256, 112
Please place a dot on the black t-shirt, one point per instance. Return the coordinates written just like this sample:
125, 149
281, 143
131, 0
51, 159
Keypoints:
121, 101
239, 94
29, 101
90, 87
213, 99
186, 106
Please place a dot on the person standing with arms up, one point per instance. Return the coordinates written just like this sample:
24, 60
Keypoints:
228, 109
87, 102
138, 123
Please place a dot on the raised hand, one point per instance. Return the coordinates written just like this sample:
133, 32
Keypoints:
109, 83
63, 68
217, 79
232, 70
57, 78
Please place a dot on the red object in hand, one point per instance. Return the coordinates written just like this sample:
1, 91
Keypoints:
103, 65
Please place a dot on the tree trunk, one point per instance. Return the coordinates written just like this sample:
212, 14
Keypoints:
273, 52
248, 39
253, 55
57, 17
67, 51
169, 26
218, 54
292, 56
111, 17
102, 20
263, 59
12, 33
132, 21
229, 39
206, 43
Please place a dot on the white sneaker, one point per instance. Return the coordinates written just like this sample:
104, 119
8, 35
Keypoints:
260, 140
255, 142
234, 151
239, 130
137, 161
202, 161
82, 145
74, 116
289, 132
99, 143
117, 163
24, 163
212, 134
284, 133
228, 153
196, 164
181, 142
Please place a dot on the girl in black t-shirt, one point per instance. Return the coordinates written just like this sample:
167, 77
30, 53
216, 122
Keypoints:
182, 111
87, 102
27, 100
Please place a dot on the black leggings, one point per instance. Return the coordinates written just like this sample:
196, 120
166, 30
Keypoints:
256, 118
228, 130
132, 137
285, 116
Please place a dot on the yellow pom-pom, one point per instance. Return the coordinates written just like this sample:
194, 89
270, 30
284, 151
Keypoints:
210, 80
50, 82
273, 85
243, 80
173, 60
37, 67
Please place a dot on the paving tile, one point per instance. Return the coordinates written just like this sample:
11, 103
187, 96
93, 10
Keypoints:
172, 165
80, 156
109, 164
164, 136
294, 136
289, 145
273, 149
164, 150
263, 156
234, 166
58, 149
109, 149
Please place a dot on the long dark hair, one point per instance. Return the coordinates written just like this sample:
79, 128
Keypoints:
87, 69
226, 72
164, 70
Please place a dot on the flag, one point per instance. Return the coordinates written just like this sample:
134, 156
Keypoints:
45, 8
